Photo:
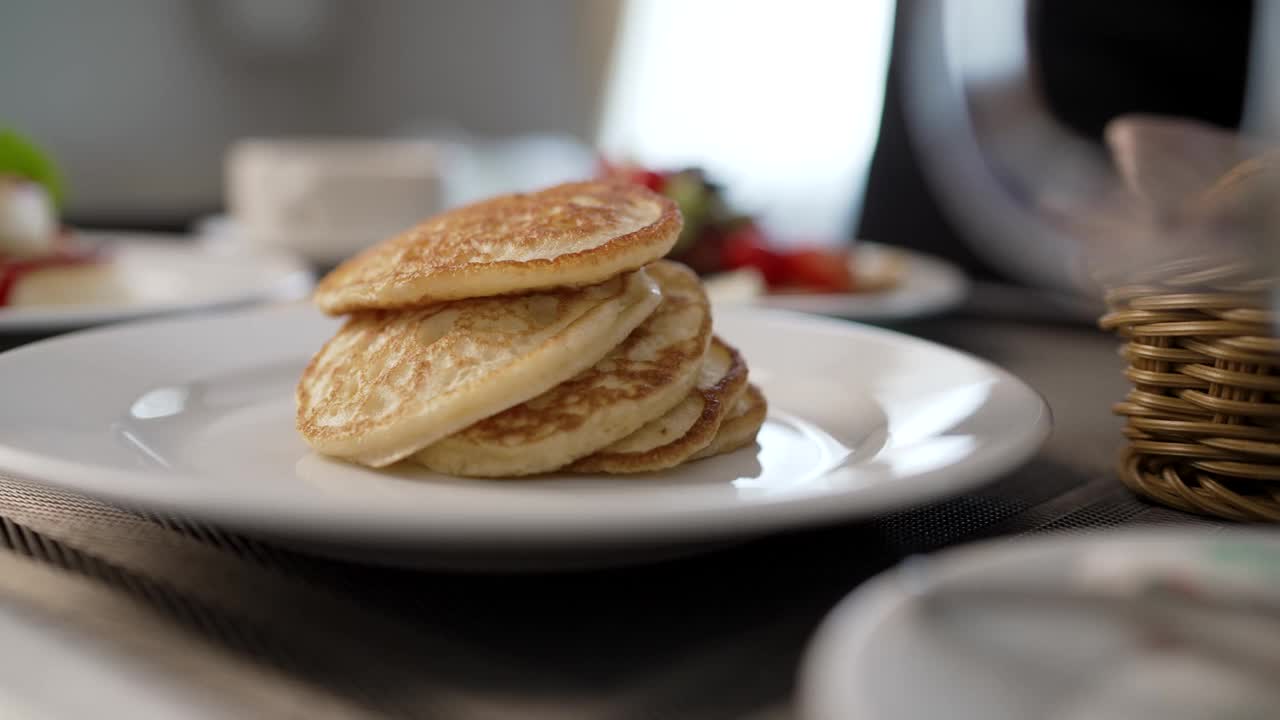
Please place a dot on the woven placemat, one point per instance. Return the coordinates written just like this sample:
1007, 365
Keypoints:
294, 632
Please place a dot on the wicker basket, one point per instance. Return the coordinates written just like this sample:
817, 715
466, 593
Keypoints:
1203, 417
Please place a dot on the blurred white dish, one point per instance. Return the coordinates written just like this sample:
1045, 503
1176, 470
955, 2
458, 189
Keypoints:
103, 676
920, 641
149, 274
196, 416
327, 198
925, 285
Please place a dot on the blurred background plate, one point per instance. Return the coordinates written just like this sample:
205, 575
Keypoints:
917, 285
153, 274
1132, 625
44, 658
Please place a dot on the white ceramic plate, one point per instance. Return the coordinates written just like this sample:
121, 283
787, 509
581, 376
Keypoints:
926, 285
155, 275
890, 651
195, 416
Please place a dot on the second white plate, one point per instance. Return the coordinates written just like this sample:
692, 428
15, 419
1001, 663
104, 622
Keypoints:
1138, 624
151, 274
195, 416
926, 285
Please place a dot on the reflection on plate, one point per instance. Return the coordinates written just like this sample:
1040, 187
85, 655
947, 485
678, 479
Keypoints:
149, 275
195, 415
1060, 627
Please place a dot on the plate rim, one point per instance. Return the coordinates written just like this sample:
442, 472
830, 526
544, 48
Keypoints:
120, 486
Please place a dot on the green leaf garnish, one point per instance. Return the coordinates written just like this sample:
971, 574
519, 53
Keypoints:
19, 156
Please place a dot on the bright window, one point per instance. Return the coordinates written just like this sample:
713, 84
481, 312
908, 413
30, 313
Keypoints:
779, 101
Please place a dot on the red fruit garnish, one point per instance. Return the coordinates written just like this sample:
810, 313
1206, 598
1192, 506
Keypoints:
819, 269
745, 247
655, 181
13, 270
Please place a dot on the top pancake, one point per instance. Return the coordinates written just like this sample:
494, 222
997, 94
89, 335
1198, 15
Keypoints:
565, 236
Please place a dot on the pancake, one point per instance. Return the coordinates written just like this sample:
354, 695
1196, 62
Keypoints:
740, 428
641, 379
391, 383
566, 236
685, 429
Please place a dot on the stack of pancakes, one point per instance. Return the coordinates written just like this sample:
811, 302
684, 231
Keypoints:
526, 334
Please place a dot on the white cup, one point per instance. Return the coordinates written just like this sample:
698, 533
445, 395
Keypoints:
326, 199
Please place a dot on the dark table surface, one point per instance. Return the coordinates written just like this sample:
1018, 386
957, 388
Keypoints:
273, 632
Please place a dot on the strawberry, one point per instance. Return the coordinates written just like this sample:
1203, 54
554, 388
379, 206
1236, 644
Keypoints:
818, 269
745, 246
655, 181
